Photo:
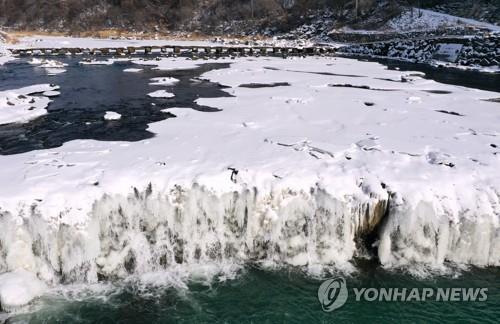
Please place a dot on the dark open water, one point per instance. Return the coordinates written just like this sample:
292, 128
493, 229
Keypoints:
88, 91
258, 296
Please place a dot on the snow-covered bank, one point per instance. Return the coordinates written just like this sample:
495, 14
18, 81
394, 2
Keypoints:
346, 160
88, 42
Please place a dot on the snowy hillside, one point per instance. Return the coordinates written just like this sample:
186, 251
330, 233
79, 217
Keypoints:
421, 19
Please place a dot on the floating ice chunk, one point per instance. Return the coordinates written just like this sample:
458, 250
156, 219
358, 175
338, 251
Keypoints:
161, 94
36, 61
52, 67
111, 115
164, 81
18, 289
53, 64
132, 70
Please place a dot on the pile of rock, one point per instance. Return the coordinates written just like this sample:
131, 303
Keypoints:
477, 51
481, 51
410, 50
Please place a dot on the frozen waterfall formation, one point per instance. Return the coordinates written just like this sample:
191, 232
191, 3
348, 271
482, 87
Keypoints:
149, 231
336, 160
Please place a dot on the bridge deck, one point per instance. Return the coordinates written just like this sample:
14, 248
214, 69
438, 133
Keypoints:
189, 50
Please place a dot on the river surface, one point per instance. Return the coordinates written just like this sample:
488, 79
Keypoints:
254, 295
88, 91
258, 296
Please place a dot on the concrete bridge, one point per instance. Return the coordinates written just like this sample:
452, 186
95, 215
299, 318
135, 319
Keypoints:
181, 50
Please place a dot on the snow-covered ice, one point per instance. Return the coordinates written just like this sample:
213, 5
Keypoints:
295, 175
19, 288
20, 105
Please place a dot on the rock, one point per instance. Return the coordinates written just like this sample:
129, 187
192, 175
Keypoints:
485, 62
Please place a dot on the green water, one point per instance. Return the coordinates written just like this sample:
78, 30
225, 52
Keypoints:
258, 296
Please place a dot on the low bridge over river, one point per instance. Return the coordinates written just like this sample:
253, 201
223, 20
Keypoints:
180, 50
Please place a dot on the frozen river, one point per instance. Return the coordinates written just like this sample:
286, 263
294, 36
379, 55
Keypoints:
202, 177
